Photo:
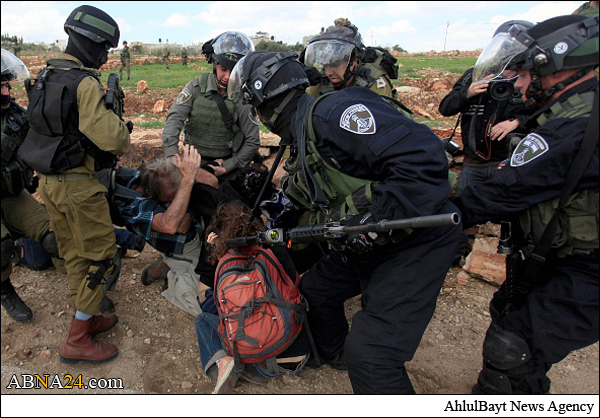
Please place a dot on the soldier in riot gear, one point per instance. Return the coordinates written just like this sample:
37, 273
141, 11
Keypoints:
226, 134
343, 61
358, 160
21, 213
548, 305
73, 135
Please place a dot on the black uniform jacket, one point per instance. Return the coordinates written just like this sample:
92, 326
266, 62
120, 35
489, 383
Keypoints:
524, 181
363, 136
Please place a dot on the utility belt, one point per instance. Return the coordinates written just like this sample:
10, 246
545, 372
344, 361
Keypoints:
65, 177
587, 255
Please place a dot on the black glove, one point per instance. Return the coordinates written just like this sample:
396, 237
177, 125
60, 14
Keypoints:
129, 125
288, 218
314, 76
359, 242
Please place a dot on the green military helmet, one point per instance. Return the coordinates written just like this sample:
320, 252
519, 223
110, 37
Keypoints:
229, 47
94, 24
261, 76
13, 68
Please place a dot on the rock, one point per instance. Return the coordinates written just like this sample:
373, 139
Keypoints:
186, 386
45, 353
142, 86
160, 106
485, 262
422, 112
24, 353
490, 229
147, 341
440, 85
35, 334
269, 140
462, 278
408, 90
130, 334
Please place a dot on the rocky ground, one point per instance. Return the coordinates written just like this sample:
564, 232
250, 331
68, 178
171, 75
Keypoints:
157, 342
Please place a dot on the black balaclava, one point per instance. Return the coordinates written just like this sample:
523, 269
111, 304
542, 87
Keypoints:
90, 53
6, 98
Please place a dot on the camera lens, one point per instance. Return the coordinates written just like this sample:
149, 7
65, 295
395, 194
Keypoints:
501, 90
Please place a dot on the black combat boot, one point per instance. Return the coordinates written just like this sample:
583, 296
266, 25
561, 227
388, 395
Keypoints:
12, 303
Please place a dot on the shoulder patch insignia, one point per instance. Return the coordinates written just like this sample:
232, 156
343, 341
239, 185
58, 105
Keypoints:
184, 96
530, 148
358, 119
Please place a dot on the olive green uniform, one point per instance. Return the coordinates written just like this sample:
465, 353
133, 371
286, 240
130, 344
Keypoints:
125, 62
381, 86
184, 57
586, 9
189, 112
21, 213
76, 201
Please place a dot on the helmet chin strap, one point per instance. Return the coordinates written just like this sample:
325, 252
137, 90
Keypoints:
537, 95
219, 82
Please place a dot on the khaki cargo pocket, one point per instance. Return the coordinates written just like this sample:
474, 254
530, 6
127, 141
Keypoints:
93, 223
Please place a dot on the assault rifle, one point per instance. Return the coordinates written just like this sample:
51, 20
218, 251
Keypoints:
335, 231
115, 98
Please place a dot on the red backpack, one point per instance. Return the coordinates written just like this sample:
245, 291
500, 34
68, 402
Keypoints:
261, 311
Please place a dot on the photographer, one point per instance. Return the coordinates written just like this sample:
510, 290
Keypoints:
490, 110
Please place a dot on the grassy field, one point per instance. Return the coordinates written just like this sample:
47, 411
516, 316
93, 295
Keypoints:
159, 77
411, 64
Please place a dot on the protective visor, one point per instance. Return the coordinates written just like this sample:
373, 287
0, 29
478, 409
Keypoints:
234, 87
13, 67
496, 57
333, 53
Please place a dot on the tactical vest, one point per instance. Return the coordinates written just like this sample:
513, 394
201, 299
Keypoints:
54, 143
205, 129
16, 175
344, 194
578, 221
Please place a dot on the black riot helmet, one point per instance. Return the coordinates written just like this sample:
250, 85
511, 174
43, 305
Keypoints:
94, 24
561, 43
503, 28
227, 48
261, 76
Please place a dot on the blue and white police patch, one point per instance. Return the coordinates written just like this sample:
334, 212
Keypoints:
358, 119
530, 148
184, 96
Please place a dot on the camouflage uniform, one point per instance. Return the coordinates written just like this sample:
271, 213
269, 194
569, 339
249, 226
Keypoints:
184, 56
125, 62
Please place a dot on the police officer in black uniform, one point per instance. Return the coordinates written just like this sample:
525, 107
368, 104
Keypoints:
548, 305
379, 165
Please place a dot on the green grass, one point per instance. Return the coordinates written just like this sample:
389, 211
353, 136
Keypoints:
420, 62
157, 75
151, 124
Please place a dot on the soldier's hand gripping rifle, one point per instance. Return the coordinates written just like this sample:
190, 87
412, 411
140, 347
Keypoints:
115, 98
335, 231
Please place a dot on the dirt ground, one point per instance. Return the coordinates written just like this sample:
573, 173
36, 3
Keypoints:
159, 352
157, 342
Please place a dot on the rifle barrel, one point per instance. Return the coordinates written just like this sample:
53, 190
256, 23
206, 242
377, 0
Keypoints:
418, 222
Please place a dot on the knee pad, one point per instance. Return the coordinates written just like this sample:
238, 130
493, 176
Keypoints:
50, 244
105, 273
504, 350
7, 248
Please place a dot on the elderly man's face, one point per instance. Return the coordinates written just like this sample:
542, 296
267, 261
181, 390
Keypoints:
168, 192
